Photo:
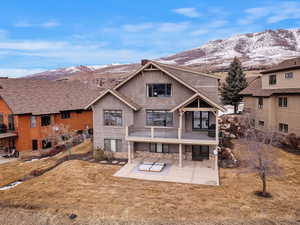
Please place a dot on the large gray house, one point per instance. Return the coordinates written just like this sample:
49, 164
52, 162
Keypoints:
159, 111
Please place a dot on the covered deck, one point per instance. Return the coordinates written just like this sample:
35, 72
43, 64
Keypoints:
193, 172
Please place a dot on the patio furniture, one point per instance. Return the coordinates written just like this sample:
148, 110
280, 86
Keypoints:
157, 167
145, 167
212, 130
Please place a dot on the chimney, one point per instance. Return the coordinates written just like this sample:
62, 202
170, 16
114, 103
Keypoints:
144, 61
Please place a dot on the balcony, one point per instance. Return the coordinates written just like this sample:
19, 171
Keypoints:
170, 135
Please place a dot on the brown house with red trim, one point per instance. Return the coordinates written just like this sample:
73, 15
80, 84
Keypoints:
27, 107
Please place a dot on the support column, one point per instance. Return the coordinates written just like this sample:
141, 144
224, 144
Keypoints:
217, 127
129, 152
180, 155
180, 124
132, 149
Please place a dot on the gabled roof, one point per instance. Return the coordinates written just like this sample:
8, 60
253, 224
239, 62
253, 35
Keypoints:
27, 96
119, 96
191, 99
186, 77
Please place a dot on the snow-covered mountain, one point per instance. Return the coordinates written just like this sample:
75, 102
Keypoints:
255, 50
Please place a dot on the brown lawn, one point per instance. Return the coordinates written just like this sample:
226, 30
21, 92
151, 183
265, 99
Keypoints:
89, 190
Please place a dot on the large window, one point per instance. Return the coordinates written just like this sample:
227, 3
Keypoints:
113, 145
65, 115
283, 127
260, 102
45, 120
283, 102
11, 122
289, 75
261, 123
35, 145
46, 144
272, 79
161, 118
200, 120
33, 122
159, 148
159, 90
112, 117
200, 152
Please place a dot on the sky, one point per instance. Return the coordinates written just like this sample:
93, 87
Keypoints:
40, 35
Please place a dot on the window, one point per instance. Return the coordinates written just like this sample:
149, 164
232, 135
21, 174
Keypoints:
159, 90
33, 121
200, 152
283, 127
113, 145
161, 118
34, 145
46, 144
45, 120
2, 125
112, 117
272, 79
11, 122
260, 102
200, 120
65, 115
159, 148
289, 75
282, 102
261, 123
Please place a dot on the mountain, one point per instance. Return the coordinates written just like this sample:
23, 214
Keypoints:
255, 50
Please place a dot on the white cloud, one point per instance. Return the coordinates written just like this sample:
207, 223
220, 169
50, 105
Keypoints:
32, 45
172, 27
46, 24
3, 34
272, 14
189, 12
137, 27
12, 72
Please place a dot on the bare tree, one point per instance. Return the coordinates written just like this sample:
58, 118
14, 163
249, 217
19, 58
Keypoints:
260, 156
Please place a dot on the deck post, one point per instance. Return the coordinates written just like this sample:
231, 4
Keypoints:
180, 155
180, 124
129, 152
152, 132
217, 127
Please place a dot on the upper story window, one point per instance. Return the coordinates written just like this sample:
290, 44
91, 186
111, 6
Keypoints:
65, 115
45, 120
288, 75
112, 117
161, 118
272, 79
33, 121
159, 90
11, 122
283, 127
282, 102
260, 102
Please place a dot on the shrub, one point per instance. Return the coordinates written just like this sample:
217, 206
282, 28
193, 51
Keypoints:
99, 154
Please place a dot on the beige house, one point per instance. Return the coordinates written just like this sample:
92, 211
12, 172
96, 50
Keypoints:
159, 111
274, 98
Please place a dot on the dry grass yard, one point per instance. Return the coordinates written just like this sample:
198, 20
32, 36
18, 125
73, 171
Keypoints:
90, 191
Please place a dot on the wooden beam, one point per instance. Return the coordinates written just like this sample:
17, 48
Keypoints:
129, 152
198, 109
180, 155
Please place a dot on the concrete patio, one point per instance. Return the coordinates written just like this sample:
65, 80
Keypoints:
192, 172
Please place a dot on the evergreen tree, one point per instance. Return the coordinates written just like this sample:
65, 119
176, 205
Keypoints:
235, 82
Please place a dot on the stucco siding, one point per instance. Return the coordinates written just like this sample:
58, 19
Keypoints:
281, 81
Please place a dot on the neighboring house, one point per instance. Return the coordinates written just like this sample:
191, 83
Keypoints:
273, 99
27, 107
159, 111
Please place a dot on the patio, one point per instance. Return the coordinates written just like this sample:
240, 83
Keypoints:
192, 172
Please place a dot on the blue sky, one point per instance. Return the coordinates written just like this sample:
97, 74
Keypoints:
39, 35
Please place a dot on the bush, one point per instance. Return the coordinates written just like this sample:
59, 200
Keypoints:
291, 141
99, 154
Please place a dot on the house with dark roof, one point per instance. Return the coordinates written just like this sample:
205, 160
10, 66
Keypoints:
159, 111
273, 99
28, 107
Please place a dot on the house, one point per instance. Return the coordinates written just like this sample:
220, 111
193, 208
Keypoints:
28, 107
159, 111
273, 99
